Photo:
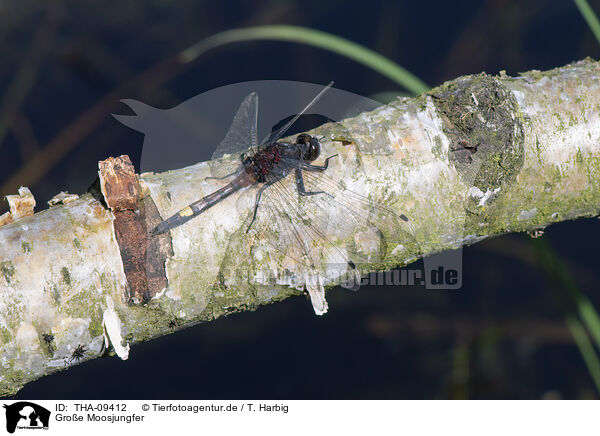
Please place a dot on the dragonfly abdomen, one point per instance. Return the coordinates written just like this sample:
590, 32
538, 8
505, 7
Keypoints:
181, 217
197, 207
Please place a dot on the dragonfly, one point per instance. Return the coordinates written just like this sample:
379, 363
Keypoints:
267, 170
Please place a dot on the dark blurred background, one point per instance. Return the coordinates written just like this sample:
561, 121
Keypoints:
66, 64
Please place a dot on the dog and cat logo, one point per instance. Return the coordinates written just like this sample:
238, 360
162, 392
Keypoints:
26, 415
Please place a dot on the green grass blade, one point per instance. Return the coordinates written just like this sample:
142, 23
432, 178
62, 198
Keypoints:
315, 38
590, 17
585, 348
574, 302
589, 315
560, 274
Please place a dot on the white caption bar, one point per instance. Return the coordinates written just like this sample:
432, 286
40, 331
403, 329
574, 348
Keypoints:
300, 417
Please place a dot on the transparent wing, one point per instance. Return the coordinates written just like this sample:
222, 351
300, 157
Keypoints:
242, 132
331, 234
304, 251
277, 134
349, 212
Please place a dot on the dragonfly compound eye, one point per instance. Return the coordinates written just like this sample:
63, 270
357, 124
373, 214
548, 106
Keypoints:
303, 139
312, 146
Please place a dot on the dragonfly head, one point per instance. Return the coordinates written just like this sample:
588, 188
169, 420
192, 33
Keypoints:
310, 147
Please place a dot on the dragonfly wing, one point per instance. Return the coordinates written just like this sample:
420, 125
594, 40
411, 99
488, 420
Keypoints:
277, 241
285, 233
277, 134
242, 132
310, 219
371, 229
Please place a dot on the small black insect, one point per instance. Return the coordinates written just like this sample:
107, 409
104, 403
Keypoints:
48, 338
78, 353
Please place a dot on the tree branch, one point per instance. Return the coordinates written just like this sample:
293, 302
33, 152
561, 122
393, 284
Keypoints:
474, 158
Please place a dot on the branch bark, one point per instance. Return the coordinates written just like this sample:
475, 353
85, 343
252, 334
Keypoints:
474, 158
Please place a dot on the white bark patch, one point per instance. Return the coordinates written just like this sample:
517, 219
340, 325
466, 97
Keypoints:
475, 192
173, 294
62, 198
398, 249
564, 125
112, 330
159, 294
21, 205
5, 218
395, 139
316, 291
520, 96
27, 338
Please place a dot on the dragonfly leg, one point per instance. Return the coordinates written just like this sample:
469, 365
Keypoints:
300, 185
257, 202
317, 168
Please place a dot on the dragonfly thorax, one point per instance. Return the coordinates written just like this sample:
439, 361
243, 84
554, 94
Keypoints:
263, 162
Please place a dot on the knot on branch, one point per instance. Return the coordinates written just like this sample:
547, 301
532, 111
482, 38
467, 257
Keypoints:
483, 123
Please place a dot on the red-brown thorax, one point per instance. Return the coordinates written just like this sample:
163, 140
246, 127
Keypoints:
263, 162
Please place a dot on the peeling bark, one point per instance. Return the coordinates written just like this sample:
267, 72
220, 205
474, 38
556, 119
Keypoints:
474, 158
143, 256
